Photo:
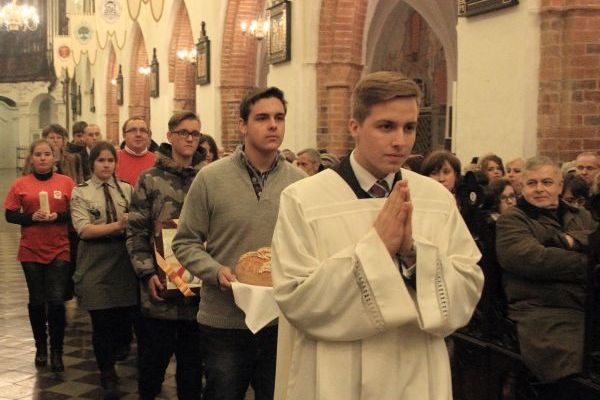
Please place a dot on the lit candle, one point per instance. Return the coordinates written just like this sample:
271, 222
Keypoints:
44, 203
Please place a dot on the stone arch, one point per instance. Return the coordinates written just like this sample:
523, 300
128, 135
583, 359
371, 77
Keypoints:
9, 126
42, 111
238, 65
401, 39
139, 85
440, 15
347, 33
181, 72
9, 102
112, 109
45, 113
339, 66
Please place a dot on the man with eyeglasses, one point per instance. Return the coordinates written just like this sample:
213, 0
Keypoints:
134, 157
169, 323
541, 245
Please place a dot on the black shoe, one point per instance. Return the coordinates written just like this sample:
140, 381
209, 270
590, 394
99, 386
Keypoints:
56, 361
109, 380
41, 355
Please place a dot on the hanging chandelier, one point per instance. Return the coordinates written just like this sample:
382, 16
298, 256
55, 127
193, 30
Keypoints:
15, 17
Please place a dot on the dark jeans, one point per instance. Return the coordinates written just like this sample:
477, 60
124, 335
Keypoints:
159, 340
47, 283
236, 358
111, 331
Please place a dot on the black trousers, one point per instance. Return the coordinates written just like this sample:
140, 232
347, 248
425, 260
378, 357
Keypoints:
111, 331
237, 358
158, 340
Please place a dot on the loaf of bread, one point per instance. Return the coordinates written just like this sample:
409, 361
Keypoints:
254, 267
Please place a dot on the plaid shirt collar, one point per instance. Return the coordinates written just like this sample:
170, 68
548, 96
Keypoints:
254, 170
258, 178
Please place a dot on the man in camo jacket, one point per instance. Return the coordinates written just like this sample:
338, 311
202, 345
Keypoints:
168, 325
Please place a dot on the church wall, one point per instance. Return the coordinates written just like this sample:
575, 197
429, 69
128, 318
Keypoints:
9, 118
298, 77
569, 105
493, 72
208, 96
497, 86
27, 96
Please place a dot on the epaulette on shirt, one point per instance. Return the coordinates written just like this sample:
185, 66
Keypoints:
83, 184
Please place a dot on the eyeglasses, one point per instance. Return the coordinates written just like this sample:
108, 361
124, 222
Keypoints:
184, 133
507, 197
140, 130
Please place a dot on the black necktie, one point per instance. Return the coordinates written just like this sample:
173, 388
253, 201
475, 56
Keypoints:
379, 189
111, 211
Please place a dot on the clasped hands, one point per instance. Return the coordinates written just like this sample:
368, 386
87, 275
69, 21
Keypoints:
394, 222
42, 216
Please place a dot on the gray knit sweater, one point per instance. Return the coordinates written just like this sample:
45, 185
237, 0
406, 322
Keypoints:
222, 219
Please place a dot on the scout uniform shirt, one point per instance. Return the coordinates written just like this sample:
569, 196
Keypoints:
104, 277
89, 203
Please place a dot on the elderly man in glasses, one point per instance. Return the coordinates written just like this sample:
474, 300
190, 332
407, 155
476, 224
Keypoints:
541, 245
134, 157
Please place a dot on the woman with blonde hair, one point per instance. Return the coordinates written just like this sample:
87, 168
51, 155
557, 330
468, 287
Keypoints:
514, 173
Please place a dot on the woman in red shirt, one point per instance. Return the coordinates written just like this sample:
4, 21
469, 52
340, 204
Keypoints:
44, 247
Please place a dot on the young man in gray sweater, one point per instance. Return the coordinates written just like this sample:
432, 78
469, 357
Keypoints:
231, 209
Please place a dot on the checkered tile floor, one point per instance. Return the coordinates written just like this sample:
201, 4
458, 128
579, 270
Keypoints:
19, 379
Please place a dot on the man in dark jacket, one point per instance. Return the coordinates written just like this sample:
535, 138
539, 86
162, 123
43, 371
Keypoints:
169, 317
541, 247
77, 146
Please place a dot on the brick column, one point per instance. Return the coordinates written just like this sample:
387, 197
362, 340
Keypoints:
139, 85
182, 73
238, 66
112, 109
339, 67
569, 96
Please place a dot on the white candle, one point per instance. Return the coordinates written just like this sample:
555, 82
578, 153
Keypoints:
44, 203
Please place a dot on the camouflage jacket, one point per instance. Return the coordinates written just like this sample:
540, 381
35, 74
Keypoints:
159, 197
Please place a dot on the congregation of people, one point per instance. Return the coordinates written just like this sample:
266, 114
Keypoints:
91, 214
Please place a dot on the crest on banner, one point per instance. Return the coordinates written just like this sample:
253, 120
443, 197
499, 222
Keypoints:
63, 54
111, 10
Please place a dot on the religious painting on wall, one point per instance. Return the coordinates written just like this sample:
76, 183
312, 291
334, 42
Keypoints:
469, 8
280, 32
203, 57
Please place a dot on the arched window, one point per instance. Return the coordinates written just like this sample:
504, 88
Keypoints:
45, 113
